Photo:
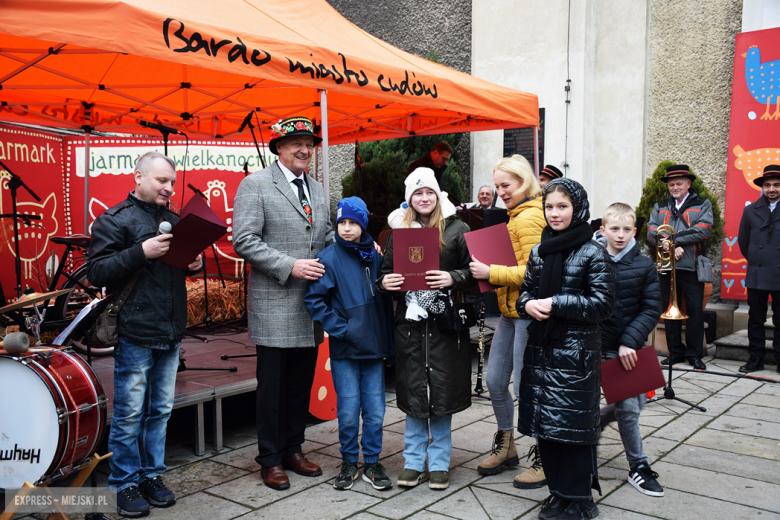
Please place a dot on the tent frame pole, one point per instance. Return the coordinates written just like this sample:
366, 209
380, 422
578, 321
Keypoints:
325, 161
86, 183
536, 152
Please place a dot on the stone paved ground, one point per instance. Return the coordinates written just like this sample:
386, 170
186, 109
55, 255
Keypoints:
720, 464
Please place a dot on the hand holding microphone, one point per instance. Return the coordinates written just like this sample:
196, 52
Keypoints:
158, 246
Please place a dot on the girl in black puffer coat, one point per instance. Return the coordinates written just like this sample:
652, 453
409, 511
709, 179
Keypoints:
567, 290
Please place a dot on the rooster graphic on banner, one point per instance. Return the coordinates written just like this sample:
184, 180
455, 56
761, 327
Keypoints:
218, 200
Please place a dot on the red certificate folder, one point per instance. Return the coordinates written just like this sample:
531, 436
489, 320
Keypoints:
415, 251
619, 384
198, 228
491, 246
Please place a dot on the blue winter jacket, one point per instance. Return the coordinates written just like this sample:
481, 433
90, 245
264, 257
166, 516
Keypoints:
348, 305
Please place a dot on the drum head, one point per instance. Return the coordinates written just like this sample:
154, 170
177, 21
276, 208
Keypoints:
29, 431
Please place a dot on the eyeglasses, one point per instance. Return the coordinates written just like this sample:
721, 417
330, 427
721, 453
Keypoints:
445, 158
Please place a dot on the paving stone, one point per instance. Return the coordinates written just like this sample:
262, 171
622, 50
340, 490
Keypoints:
655, 448
501, 506
392, 443
475, 437
181, 453
677, 505
736, 443
242, 458
240, 436
321, 502
326, 433
463, 505
723, 486
759, 399
773, 389
741, 387
475, 412
753, 427
503, 483
749, 411
684, 426
186, 480
726, 462
207, 506
393, 415
420, 497
365, 516
397, 427
716, 404
428, 515
655, 421
250, 491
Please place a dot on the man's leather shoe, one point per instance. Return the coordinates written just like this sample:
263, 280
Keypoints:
301, 466
275, 478
697, 363
674, 360
754, 365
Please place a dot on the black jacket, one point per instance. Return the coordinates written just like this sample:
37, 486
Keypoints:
433, 368
426, 161
638, 291
155, 313
759, 242
692, 224
560, 387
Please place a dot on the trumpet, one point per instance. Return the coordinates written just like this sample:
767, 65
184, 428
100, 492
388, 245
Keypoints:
666, 263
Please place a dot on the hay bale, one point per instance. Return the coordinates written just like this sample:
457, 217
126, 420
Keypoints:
224, 303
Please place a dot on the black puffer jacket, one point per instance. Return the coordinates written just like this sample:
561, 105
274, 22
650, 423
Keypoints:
638, 292
433, 368
155, 313
560, 387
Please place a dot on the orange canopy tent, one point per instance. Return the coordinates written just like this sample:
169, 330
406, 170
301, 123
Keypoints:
201, 66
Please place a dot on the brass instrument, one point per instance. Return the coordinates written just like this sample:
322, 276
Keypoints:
666, 263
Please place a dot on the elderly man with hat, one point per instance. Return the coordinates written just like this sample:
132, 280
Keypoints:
691, 217
548, 173
281, 223
759, 242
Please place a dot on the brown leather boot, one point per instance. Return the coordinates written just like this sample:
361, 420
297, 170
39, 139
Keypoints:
533, 477
504, 454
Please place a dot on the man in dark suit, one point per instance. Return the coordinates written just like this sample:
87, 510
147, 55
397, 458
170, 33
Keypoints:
281, 223
436, 160
759, 242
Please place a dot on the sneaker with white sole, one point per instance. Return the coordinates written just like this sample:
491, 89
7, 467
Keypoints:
346, 477
439, 480
410, 477
375, 475
645, 481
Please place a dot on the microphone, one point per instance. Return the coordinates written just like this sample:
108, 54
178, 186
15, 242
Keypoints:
165, 228
196, 190
160, 128
246, 121
16, 343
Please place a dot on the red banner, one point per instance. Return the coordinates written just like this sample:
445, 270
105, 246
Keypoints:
216, 168
754, 141
36, 157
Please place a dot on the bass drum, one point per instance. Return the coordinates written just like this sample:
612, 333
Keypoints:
52, 416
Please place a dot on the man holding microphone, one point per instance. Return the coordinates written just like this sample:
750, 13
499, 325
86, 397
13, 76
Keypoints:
126, 241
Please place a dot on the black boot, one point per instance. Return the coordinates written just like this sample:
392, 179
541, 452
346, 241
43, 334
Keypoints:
755, 364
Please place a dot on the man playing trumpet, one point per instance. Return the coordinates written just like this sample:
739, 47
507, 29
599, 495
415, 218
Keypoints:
691, 217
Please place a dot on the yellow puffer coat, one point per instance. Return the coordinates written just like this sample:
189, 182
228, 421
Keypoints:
526, 222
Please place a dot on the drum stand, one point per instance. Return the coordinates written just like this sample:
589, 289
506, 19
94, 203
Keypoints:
27, 488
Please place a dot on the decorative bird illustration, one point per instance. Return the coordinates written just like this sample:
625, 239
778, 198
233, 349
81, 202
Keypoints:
217, 191
763, 80
752, 162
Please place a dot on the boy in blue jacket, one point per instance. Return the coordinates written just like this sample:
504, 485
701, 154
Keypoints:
348, 305
638, 290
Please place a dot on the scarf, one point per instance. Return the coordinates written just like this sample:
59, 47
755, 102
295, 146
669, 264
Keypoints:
363, 247
554, 249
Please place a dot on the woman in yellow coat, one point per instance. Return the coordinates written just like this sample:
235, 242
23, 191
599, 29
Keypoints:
518, 188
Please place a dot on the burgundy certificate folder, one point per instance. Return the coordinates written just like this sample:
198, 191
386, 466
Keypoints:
415, 251
619, 384
491, 246
198, 228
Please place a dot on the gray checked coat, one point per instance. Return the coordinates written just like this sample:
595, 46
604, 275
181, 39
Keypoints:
271, 232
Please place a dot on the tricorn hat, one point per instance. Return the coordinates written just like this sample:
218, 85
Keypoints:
290, 127
678, 170
770, 170
551, 171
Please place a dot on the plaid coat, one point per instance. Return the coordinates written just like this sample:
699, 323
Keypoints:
271, 232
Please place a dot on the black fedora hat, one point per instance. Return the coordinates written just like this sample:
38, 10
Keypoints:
678, 170
551, 171
770, 170
292, 126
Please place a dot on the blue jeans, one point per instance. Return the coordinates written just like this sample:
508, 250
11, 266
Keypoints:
506, 355
144, 384
417, 448
360, 386
626, 413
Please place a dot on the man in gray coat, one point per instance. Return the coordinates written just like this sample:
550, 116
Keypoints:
759, 242
281, 223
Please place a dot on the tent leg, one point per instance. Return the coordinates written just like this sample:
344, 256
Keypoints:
536, 152
86, 183
325, 162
